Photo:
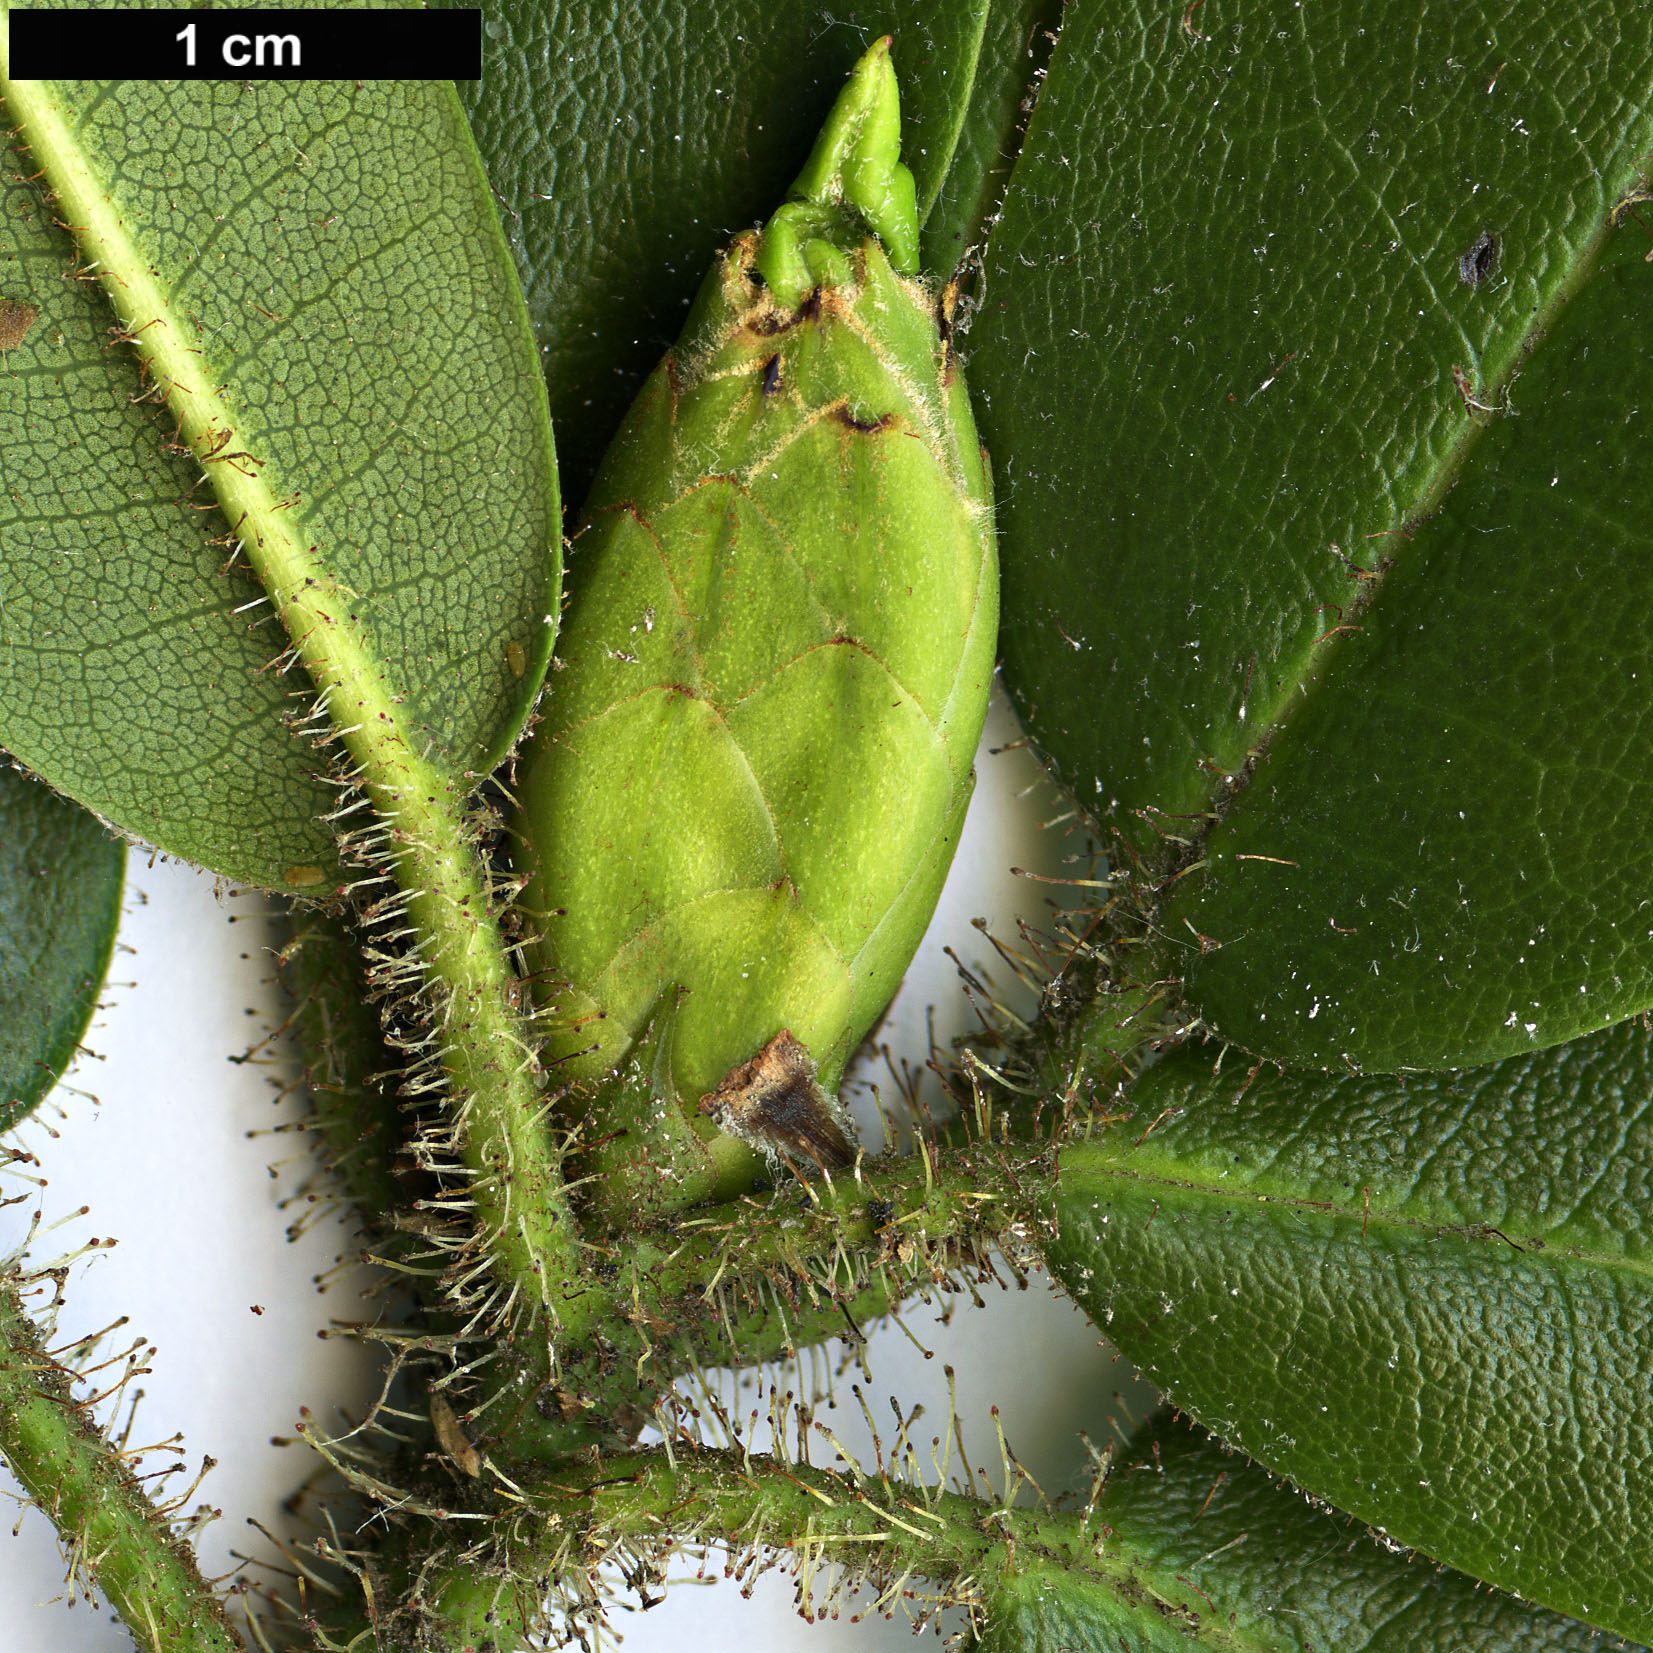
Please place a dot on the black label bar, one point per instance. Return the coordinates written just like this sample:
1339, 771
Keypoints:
338, 43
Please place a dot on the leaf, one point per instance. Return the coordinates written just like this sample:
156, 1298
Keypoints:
1015, 45
1425, 1300
691, 124
331, 254
1468, 881
1221, 1555
1218, 365
60, 904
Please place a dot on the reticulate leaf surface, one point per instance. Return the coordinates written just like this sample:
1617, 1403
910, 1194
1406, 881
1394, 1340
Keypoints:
332, 254
60, 903
1229, 366
1218, 1554
1427, 1300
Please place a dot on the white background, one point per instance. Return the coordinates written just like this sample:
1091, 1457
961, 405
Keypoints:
164, 1137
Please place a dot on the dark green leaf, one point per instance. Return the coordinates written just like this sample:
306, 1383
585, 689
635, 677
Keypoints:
1428, 1301
333, 255
1015, 46
1223, 1556
1226, 363
1462, 799
60, 903
626, 155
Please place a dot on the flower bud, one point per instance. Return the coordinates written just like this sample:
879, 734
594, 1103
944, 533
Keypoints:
750, 777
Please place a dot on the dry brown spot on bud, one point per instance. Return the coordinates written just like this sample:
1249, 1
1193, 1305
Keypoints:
866, 427
16, 318
775, 1103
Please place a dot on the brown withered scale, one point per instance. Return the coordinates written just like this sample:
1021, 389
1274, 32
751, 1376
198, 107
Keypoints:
775, 1103
16, 318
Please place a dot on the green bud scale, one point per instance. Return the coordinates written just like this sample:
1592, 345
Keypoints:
750, 776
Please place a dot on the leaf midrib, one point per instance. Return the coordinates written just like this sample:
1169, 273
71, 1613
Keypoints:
1087, 1160
313, 604
1296, 691
1296, 694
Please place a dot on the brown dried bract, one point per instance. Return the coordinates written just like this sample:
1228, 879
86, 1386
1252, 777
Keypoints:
456, 1447
842, 413
15, 320
775, 1103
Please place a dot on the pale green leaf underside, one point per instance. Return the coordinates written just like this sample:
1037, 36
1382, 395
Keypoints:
60, 903
1429, 1301
332, 252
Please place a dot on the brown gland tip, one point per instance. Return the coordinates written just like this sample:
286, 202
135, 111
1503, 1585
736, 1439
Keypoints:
775, 1102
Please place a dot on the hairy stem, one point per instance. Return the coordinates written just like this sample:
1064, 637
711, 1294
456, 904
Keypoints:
902, 1217
114, 1535
746, 1282
884, 1529
346, 1066
754, 1280
507, 1159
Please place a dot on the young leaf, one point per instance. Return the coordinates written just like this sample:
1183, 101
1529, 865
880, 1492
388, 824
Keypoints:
1222, 1556
60, 904
691, 122
1228, 362
324, 261
1427, 1301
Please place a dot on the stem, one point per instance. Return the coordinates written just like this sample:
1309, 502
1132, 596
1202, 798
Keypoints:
905, 1217
1110, 1001
115, 1536
653, 1505
743, 1283
754, 1280
511, 1167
